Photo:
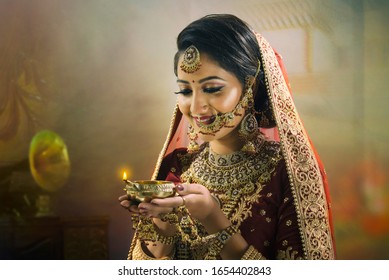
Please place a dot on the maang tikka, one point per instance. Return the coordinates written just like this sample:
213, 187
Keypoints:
191, 60
249, 129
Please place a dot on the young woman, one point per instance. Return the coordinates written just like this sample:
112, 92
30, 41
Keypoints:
249, 182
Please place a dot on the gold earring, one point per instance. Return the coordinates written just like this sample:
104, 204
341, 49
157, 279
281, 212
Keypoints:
191, 62
193, 145
248, 129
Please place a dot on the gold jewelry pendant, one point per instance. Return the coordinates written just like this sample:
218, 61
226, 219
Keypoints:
193, 146
248, 131
248, 126
191, 62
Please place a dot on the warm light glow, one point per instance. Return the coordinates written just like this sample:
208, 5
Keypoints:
124, 172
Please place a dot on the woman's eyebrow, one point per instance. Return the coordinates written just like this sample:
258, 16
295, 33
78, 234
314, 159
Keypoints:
202, 80
210, 78
182, 81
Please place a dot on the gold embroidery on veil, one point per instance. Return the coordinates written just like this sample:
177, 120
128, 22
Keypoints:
302, 166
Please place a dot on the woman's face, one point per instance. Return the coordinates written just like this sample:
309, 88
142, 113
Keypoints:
208, 92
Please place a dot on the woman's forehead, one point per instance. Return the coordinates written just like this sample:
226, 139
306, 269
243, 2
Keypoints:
209, 67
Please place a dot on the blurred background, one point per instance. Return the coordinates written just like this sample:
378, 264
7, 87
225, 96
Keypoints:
96, 76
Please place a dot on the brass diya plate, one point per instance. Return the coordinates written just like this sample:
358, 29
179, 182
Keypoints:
146, 190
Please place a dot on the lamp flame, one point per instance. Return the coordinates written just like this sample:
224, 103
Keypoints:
124, 176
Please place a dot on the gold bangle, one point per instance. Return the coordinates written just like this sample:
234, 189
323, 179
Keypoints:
139, 254
252, 254
224, 235
219, 240
148, 231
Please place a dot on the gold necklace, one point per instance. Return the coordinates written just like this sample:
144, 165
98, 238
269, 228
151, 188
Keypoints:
236, 179
222, 173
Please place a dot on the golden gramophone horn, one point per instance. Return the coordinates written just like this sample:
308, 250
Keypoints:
49, 160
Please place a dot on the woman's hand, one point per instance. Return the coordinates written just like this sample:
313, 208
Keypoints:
195, 197
129, 204
149, 209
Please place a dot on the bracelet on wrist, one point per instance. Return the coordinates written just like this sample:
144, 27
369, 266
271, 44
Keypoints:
219, 240
147, 231
139, 254
252, 254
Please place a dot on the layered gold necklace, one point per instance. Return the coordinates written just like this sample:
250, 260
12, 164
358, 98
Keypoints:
235, 179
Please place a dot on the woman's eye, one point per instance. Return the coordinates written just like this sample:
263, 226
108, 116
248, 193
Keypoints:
212, 89
184, 91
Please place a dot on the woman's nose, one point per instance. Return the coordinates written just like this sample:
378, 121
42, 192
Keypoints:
199, 104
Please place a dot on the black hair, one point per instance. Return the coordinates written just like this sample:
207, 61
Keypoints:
226, 39
231, 43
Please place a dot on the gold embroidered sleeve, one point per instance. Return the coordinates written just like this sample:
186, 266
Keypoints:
139, 254
252, 254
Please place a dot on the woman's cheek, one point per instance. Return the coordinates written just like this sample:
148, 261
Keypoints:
184, 105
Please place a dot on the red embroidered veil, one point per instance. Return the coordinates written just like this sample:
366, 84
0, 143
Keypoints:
305, 169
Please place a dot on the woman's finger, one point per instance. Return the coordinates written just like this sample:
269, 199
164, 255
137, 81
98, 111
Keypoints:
125, 203
154, 210
171, 202
123, 197
133, 208
128, 204
185, 189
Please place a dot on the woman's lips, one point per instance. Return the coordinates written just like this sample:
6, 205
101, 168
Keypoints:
207, 120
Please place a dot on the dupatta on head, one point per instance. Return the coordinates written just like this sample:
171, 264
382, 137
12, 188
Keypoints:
305, 170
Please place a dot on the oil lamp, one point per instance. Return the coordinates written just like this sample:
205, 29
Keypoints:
146, 190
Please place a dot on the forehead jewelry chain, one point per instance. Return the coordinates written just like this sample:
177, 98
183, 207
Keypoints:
191, 62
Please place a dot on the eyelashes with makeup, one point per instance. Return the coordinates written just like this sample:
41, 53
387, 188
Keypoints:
209, 90
184, 91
